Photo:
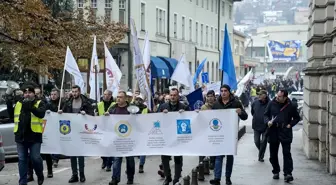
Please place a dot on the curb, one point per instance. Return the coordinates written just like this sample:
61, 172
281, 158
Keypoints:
241, 132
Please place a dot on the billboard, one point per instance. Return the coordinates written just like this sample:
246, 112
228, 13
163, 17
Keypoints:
288, 50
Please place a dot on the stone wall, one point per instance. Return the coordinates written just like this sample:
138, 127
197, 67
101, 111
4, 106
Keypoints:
319, 131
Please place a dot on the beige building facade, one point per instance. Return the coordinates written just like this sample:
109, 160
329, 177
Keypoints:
319, 131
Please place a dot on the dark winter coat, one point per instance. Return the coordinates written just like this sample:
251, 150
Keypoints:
233, 103
257, 110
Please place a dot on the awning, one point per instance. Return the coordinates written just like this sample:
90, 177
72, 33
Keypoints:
159, 68
171, 63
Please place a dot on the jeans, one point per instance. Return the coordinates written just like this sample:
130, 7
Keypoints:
130, 168
108, 161
81, 165
219, 166
166, 166
142, 160
287, 157
35, 155
48, 160
55, 157
260, 142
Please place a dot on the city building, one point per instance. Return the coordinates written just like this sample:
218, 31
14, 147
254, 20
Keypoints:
319, 120
257, 48
192, 27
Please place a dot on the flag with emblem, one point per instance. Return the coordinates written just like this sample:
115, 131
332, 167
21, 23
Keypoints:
195, 99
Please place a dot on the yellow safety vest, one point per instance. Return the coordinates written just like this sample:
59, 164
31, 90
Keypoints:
253, 92
35, 122
144, 111
101, 108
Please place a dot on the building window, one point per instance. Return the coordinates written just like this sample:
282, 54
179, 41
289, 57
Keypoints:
212, 71
236, 47
202, 3
216, 6
208, 67
93, 3
222, 36
122, 12
202, 34
197, 2
80, 3
175, 25
108, 15
217, 72
108, 3
196, 33
216, 38
190, 30
183, 28
160, 21
230, 12
212, 5
242, 52
143, 18
211, 37
207, 35
190, 66
223, 8
122, 4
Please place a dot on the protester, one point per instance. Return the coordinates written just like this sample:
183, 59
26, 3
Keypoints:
226, 101
28, 114
172, 106
281, 116
258, 108
78, 103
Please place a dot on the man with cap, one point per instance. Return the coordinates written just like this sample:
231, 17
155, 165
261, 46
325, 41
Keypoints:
226, 101
102, 107
258, 108
28, 114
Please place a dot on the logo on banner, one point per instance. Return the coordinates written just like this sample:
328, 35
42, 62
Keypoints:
198, 104
91, 130
65, 127
156, 130
183, 126
123, 128
215, 124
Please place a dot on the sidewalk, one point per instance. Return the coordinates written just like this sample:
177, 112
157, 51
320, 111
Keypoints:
248, 171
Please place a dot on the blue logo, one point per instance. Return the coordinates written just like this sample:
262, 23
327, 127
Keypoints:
183, 126
156, 130
65, 127
198, 104
123, 128
215, 124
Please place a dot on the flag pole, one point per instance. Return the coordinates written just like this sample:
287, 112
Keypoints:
66, 59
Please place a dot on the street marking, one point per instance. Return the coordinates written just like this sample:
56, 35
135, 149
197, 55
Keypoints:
54, 172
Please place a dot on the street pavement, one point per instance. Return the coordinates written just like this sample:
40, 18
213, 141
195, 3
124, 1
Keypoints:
247, 170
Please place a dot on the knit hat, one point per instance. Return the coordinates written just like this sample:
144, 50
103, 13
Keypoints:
226, 87
28, 88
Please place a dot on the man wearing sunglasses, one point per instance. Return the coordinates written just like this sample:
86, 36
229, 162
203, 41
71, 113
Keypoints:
226, 100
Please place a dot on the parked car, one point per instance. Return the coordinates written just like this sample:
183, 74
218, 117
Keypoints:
298, 95
2, 155
6, 128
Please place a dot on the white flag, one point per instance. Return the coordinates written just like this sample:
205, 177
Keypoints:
139, 65
72, 68
93, 67
146, 61
182, 74
113, 73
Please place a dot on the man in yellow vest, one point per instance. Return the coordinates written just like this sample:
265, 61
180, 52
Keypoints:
28, 114
103, 107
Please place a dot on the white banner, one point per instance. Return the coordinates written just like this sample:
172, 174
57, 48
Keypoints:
207, 133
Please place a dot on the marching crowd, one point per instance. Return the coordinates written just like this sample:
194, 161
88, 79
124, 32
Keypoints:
272, 120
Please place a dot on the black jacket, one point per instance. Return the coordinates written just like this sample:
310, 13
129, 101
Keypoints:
279, 131
257, 110
86, 106
233, 103
172, 108
24, 133
52, 105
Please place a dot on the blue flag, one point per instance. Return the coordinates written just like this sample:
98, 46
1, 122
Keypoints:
227, 64
199, 70
195, 99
